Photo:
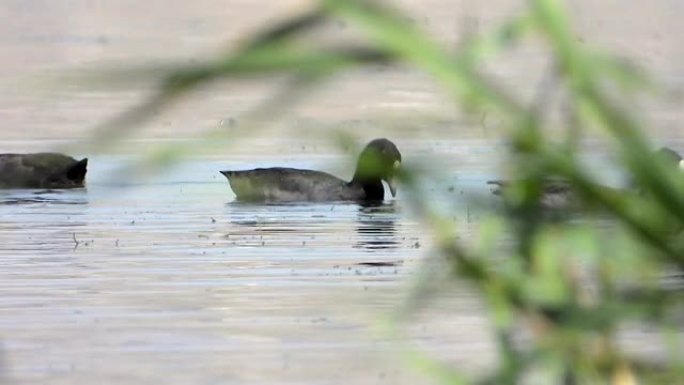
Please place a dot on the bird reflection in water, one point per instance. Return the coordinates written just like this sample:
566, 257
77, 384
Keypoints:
26, 196
376, 227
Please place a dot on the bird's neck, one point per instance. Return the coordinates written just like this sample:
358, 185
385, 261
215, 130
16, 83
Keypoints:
372, 187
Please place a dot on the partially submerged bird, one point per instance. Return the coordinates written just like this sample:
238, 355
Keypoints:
555, 194
41, 170
559, 194
379, 161
671, 157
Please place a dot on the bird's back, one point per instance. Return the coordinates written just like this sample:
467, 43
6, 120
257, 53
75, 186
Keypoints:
281, 184
555, 194
31, 170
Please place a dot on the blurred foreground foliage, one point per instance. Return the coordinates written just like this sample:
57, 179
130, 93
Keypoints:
575, 286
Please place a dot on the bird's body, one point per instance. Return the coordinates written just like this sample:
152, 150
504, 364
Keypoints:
560, 194
41, 170
555, 194
377, 162
289, 185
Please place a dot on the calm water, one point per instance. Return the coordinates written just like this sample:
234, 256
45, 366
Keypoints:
165, 278
169, 275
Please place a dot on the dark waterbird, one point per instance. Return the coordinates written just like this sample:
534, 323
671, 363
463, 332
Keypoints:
41, 170
559, 194
379, 161
555, 194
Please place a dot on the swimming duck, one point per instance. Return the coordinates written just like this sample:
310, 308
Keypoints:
559, 194
379, 161
42, 170
555, 194
671, 157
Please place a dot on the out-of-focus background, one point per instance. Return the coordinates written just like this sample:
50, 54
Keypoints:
43, 38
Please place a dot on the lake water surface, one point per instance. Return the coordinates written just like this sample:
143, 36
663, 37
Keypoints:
170, 280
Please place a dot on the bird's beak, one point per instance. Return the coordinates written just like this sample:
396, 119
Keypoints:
392, 186
391, 182
681, 164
